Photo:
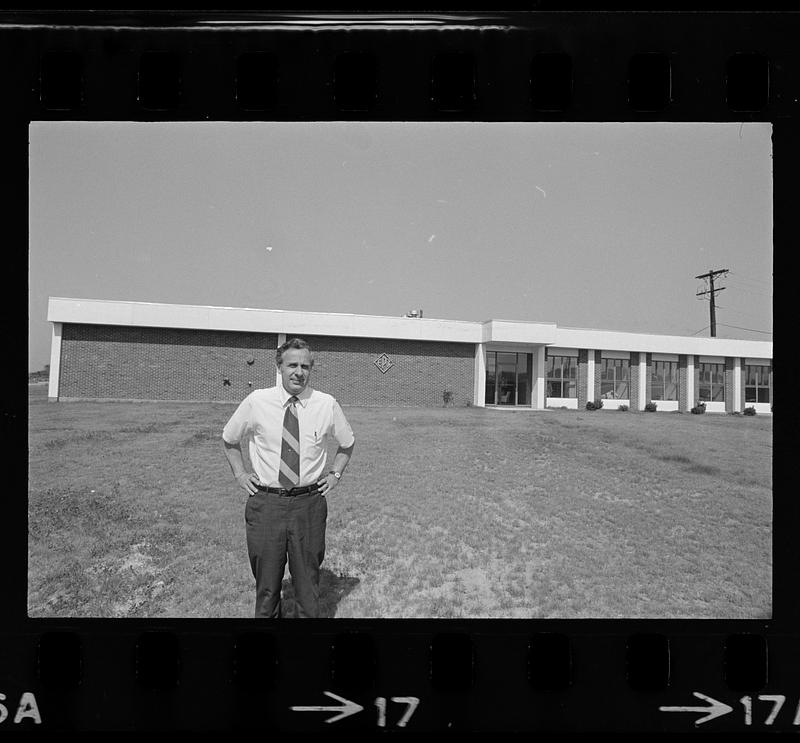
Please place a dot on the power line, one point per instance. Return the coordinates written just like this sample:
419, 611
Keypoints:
741, 277
735, 312
758, 317
747, 320
760, 296
749, 280
701, 330
741, 314
765, 332
749, 289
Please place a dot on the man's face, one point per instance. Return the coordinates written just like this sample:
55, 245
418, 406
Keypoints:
295, 370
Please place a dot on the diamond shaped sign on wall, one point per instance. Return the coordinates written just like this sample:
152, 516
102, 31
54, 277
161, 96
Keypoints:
384, 363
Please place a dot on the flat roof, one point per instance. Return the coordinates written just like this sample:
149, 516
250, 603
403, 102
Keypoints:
295, 322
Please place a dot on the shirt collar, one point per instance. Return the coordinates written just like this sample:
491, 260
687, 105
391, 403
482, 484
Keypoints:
302, 398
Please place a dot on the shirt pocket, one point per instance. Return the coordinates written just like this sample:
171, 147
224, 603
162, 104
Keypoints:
313, 441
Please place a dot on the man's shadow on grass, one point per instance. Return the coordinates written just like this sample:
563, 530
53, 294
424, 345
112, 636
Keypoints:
332, 589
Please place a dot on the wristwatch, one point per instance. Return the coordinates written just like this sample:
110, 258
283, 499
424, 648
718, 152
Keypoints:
337, 475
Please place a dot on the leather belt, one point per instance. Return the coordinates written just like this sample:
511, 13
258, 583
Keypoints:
290, 491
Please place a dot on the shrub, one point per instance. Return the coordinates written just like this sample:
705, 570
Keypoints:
734, 412
699, 408
750, 411
447, 397
623, 408
651, 407
594, 405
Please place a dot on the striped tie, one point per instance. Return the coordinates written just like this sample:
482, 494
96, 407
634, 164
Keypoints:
289, 475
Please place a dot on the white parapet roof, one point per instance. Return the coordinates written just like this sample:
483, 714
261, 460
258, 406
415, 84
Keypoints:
611, 340
156, 315
201, 317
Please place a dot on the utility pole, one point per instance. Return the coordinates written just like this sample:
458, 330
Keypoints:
712, 292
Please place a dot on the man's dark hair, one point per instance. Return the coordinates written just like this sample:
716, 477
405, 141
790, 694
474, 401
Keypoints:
292, 343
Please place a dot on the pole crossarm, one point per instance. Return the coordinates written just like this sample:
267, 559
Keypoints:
711, 275
709, 291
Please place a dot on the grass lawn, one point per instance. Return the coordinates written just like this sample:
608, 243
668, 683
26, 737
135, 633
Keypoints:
462, 512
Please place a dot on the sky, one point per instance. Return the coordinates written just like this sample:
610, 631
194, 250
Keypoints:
590, 225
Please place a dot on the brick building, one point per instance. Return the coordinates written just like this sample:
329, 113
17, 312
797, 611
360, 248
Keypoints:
146, 351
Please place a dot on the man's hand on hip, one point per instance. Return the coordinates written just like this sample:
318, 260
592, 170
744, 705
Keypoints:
327, 483
248, 481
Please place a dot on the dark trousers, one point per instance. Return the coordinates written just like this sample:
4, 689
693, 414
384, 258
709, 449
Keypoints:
277, 526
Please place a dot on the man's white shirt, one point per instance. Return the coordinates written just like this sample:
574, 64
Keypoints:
260, 418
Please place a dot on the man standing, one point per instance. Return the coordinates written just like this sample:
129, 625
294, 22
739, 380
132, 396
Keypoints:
289, 426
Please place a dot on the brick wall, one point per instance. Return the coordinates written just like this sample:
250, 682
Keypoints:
583, 381
598, 356
113, 361
119, 362
421, 371
730, 391
742, 384
696, 381
636, 381
684, 403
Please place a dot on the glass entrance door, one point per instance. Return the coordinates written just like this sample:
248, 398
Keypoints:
508, 378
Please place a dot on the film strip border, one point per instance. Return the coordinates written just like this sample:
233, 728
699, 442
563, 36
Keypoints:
443, 676
547, 66
445, 680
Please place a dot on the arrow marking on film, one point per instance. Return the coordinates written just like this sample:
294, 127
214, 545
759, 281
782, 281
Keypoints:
717, 708
348, 708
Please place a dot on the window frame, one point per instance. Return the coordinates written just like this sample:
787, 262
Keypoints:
564, 381
759, 385
612, 365
715, 369
659, 381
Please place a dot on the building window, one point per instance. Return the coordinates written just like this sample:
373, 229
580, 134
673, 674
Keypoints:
562, 376
508, 378
664, 380
614, 379
711, 387
756, 383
